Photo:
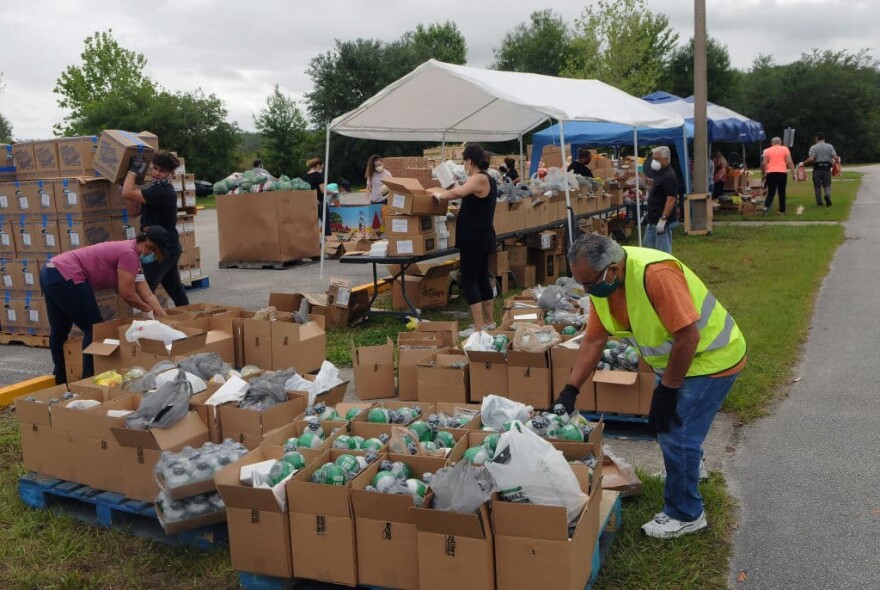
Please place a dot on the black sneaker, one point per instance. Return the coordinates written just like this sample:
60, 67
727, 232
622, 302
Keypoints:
827, 202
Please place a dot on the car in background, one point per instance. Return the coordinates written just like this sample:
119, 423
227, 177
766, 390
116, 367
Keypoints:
204, 188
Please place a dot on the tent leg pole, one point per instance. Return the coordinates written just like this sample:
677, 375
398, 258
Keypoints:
638, 196
324, 213
443, 149
522, 162
568, 215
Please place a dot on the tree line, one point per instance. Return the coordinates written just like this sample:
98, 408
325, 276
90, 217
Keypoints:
621, 42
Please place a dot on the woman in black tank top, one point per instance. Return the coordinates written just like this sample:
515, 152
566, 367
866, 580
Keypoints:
475, 235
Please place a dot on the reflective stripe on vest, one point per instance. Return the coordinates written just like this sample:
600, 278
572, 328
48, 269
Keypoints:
721, 344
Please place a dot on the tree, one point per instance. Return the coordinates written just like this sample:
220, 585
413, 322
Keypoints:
678, 75
834, 92
540, 46
622, 43
5, 125
285, 134
443, 42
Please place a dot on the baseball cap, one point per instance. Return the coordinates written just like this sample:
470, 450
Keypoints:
156, 234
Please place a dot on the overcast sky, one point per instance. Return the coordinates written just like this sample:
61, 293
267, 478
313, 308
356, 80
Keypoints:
239, 50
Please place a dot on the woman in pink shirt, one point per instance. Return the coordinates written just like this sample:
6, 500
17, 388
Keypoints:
775, 164
69, 282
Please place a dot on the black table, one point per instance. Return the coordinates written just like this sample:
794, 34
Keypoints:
406, 261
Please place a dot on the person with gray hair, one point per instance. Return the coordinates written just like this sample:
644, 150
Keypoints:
822, 156
654, 302
661, 202
775, 164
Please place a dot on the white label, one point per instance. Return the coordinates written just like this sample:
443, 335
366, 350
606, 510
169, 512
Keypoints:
190, 201
71, 198
10, 315
4, 239
398, 201
50, 240
405, 247
34, 315
179, 228
189, 226
180, 202
4, 202
26, 239
399, 226
129, 232
45, 201
28, 278
22, 203
74, 239
184, 274
196, 272
7, 281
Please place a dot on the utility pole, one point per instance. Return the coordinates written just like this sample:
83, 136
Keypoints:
701, 129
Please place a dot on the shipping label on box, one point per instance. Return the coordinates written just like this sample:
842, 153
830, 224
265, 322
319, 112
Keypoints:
410, 225
34, 196
412, 245
114, 152
78, 231
82, 195
23, 236
20, 274
7, 198
25, 163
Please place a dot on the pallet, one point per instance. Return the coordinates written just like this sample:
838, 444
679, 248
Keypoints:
610, 522
267, 264
111, 510
197, 284
35, 340
612, 417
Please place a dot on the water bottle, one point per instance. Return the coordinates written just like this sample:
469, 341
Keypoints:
198, 505
203, 470
216, 502
177, 475
174, 511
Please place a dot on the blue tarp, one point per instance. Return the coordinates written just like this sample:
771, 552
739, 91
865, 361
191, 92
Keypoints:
725, 125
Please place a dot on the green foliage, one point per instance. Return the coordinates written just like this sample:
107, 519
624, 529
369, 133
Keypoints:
621, 43
286, 140
443, 42
678, 75
833, 92
540, 46
5, 130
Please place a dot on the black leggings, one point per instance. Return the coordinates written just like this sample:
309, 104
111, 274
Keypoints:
475, 284
776, 180
167, 273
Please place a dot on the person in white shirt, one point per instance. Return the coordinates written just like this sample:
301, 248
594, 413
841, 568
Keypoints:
374, 175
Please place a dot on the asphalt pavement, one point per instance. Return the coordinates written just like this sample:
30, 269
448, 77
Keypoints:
806, 477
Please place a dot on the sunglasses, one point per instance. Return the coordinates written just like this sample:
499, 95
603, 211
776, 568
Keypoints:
589, 287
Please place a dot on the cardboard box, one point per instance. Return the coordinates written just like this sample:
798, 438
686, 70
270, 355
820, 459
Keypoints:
412, 245
26, 243
114, 152
562, 361
259, 529
456, 550
428, 291
517, 255
447, 331
301, 346
22, 274
249, 427
7, 242
409, 197
617, 392
322, 527
488, 374
25, 162
271, 226
410, 225
7, 162
529, 378
123, 228
444, 377
387, 538
46, 157
77, 230
76, 155
525, 276
499, 262
546, 268
34, 196
195, 263
82, 195
373, 368
546, 240
412, 348
8, 203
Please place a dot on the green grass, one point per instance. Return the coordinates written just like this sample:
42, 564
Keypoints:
209, 202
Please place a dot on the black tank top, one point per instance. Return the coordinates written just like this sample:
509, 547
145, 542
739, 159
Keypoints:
474, 226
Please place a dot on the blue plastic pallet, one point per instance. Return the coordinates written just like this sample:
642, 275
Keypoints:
610, 417
608, 528
198, 284
112, 510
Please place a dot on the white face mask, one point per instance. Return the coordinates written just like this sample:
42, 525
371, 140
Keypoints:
379, 167
655, 165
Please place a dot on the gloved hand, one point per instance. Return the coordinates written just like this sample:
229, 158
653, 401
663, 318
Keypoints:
567, 397
661, 227
137, 165
663, 412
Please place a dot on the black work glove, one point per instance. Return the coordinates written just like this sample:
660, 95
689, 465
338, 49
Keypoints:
137, 165
567, 397
663, 413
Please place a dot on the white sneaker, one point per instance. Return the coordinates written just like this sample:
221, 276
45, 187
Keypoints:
466, 332
666, 527
704, 473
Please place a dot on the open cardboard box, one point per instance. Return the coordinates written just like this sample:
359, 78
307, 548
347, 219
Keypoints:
188, 524
448, 331
374, 370
443, 377
488, 373
529, 378
412, 347
562, 361
249, 427
409, 197
360, 426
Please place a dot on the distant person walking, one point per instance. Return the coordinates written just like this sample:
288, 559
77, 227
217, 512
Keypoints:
775, 164
720, 169
822, 156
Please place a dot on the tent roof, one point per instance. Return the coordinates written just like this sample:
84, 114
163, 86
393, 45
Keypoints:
438, 101
724, 124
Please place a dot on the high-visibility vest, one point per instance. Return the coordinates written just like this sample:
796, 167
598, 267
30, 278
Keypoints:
721, 345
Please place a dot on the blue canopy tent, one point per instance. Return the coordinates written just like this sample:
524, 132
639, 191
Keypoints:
725, 125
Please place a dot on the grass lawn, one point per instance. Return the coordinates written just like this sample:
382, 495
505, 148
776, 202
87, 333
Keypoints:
766, 275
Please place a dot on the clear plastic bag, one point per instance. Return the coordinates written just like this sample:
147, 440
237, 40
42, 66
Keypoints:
153, 330
496, 410
479, 342
462, 488
535, 338
164, 407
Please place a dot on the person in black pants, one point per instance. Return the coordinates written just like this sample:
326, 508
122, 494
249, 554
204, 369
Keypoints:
157, 206
475, 236
315, 178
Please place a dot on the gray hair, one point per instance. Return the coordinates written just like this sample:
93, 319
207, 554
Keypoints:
663, 151
776, 141
596, 250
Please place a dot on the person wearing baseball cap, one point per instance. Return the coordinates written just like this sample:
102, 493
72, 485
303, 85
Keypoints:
69, 282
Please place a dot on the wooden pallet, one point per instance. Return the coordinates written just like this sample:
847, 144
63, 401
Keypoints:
35, 340
111, 510
197, 284
610, 522
267, 264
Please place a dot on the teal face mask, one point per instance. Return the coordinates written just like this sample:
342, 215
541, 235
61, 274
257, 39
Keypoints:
603, 289
148, 258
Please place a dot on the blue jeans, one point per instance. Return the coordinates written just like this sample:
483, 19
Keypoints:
662, 242
699, 399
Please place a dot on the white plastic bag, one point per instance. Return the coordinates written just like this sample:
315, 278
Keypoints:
326, 379
496, 410
231, 391
198, 384
527, 469
462, 488
153, 330
479, 342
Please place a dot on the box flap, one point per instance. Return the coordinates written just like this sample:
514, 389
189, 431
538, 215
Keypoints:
615, 377
382, 354
518, 358
493, 357
189, 430
404, 186
237, 495
446, 522
529, 520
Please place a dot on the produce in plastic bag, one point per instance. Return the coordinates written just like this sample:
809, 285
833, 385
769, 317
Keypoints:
462, 488
527, 469
153, 330
496, 410
326, 379
535, 338
164, 407
205, 365
266, 313
553, 297
478, 342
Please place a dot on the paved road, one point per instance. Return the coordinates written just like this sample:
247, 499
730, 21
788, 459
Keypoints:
807, 476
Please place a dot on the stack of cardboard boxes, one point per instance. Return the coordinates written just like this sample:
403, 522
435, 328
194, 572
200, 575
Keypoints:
190, 264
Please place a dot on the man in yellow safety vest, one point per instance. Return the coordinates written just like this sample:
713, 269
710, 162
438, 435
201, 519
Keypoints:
651, 300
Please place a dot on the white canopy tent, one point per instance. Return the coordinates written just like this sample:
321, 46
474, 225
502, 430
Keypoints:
444, 102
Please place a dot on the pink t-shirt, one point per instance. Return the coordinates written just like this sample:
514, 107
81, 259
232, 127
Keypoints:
775, 155
98, 264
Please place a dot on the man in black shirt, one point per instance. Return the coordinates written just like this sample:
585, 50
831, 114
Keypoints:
581, 165
157, 205
661, 202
